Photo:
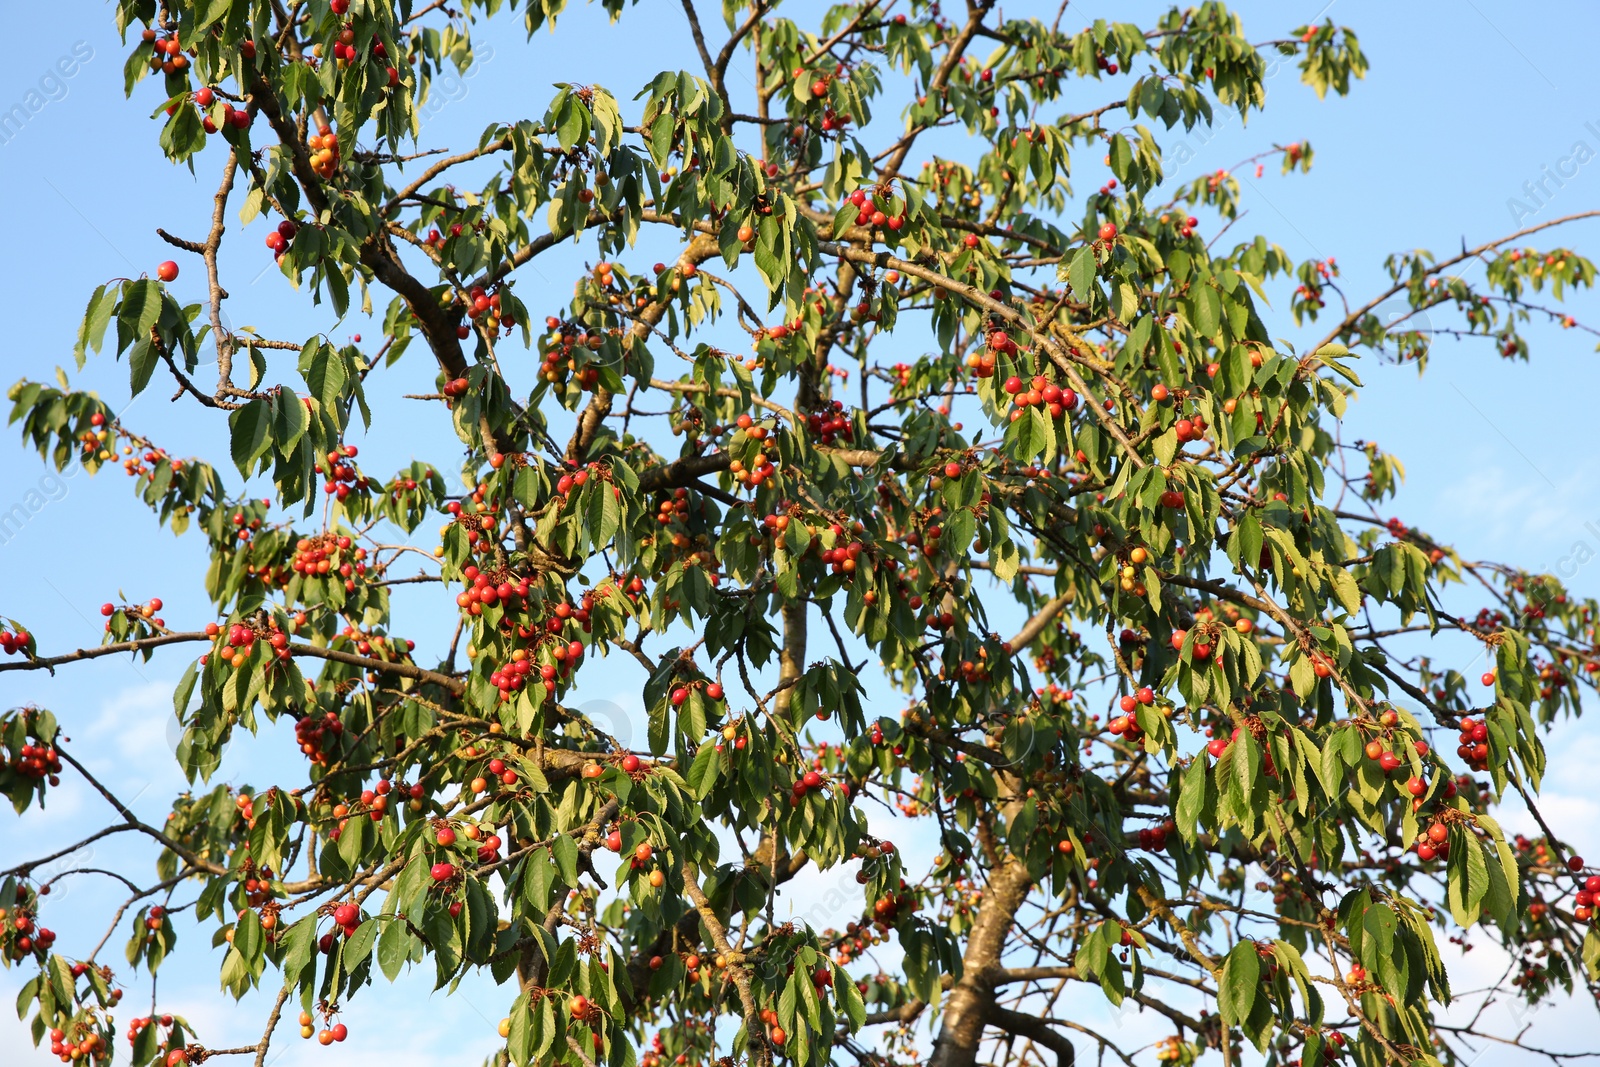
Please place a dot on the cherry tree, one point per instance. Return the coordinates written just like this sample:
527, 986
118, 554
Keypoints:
1174, 706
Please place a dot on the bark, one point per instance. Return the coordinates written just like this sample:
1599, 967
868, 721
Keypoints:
967, 1007
792, 657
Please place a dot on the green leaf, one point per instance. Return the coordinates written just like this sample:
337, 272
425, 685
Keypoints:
324, 372
1239, 983
142, 360
1081, 274
92, 331
250, 441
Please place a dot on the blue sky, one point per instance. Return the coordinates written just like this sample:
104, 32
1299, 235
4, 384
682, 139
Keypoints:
1463, 106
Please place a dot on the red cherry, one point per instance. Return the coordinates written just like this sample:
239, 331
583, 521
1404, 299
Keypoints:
1574, 863
443, 872
167, 271
1108, 231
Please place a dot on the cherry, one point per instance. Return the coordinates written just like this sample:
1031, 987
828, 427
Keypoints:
679, 695
167, 271
631, 763
346, 914
443, 872
643, 852
714, 691
1416, 786
1574, 863
1488, 678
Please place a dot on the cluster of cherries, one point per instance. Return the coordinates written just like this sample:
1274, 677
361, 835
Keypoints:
830, 423
278, 239
14, 641
1154, 838
1189, 428
342, 479
1474, 738
483, 307
90, 1045
1585, 899
27, 937
1434, 842
566, 344
1126, 725
1040, 391
136, 612
167, 53
311, 733
239, 642
759, 471
139, 1025
204, 97
35, 759
322, 555
338, 1031
869, 205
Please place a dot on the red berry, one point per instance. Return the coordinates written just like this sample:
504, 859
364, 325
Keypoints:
167, 271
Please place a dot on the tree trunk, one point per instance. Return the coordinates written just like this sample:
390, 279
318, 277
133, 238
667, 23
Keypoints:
966, 1008
792, 657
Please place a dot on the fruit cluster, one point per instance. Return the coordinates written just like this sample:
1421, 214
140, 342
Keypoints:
14, 641
88, 1046
1040, 391
22, 936
483, 306
341, 475
871, 205
35, 759
324, 146
167, 52
830, 423
1585, 899
1474, 738
279, 238
565, 349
